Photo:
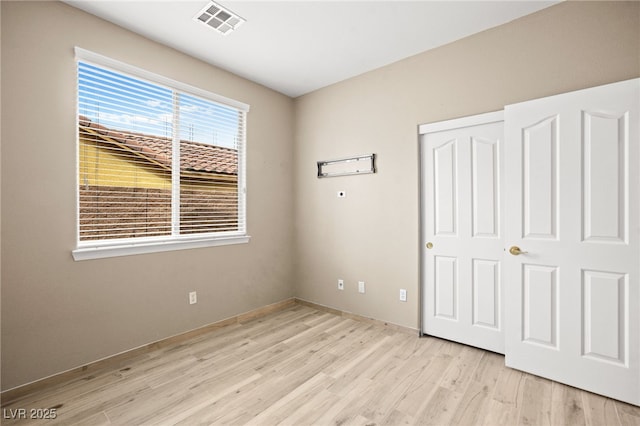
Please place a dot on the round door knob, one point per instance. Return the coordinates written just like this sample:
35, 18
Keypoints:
429, 245
515, 250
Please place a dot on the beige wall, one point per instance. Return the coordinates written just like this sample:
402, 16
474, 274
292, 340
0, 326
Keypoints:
372, 234
59, 314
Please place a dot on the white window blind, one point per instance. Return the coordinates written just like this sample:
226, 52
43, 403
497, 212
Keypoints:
159, 162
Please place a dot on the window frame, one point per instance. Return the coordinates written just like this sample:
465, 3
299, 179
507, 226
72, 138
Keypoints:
96, 249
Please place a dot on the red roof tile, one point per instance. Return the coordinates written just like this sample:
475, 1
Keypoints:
194, 156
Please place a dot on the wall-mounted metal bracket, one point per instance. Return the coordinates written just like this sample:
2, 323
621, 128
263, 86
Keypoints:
362, 164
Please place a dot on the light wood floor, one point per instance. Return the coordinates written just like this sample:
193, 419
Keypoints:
301, 366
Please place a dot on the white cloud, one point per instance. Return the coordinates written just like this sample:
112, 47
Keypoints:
189, 108
154, 103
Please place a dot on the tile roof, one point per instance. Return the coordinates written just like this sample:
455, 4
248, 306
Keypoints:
194, 156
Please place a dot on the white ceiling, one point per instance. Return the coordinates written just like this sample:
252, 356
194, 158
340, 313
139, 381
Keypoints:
297, 46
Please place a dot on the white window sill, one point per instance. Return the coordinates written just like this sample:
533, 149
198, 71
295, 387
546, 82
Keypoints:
90, 251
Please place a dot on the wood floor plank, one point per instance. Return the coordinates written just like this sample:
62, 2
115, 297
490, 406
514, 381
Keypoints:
509, 386
499, 414
536, 402
474, 407
342, 403
599, 411
357, 402
396, 418
161, 403
425, 385
98, 419
399, 365
304, 366
383, 404
416, 394
461, 369
189, 412
311, 410
473, 404
440, 408
628, 414
567, 407
489, 369
281, 410
204, 412
51, 397
352, 371
74, 409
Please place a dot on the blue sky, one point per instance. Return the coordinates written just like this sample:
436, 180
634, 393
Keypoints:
126, 103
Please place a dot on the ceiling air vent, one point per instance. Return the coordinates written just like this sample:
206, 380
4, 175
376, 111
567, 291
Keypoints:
219, 18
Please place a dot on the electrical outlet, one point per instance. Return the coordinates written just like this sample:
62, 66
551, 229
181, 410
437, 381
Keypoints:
403, 295
360, 286
193, 297
340, 284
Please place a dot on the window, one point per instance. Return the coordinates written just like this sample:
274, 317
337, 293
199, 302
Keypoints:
160, 163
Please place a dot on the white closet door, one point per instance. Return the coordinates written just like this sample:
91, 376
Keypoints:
572, 191
462, 236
